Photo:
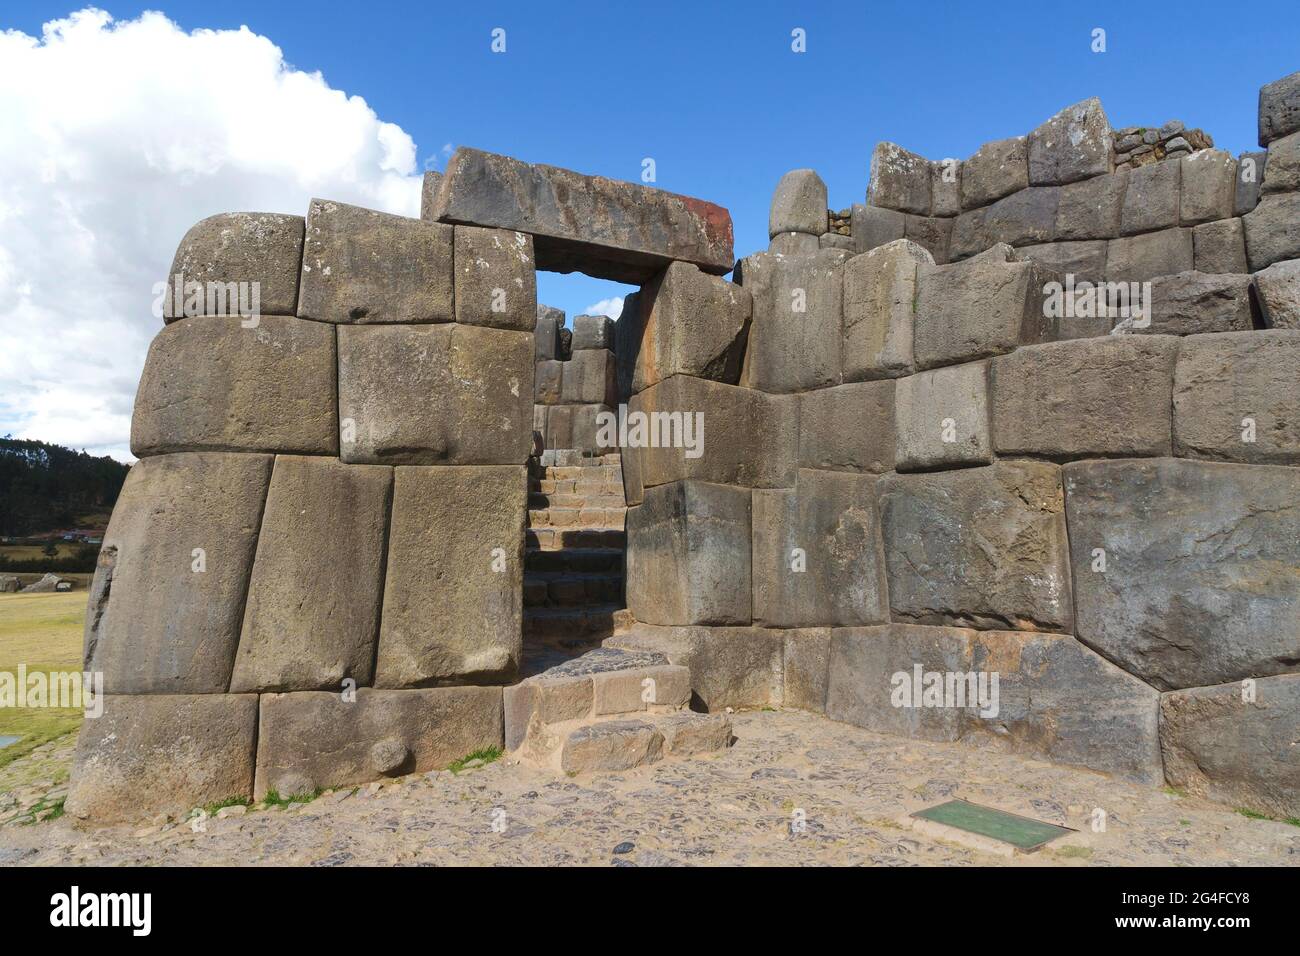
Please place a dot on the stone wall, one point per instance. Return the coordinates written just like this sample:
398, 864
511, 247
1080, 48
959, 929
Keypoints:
574, 380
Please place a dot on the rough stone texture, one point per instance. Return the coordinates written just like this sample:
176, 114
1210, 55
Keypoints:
1023, 218
873, 226
806, 668
426, 394
1139, 258
688, 555
973, 310
817, 553
932, 234
1083, 260
611, 746
795, 244
496, 284
427, 728
575, 426
453, 591
163, 754
1188, 303
983, 547
1250, 176
362, 266
1209, 184
689, 734
592, 332
1151, 199
1279, 108
1222, 381
1091, 208
1236, 751
791, 350
603, 227
1273, 230
848, 427
834, 240
312, 615
1090, 398
1202, 579
879, 298
429, 192
1074, 144
995, 170
942, 418
217, 385
589, 377
546, 331
799, 204
738, 667
1277, 290
999, 252
625, 691
899, 180
1220, 247
156, 625
945, 187
548, 382
238, 247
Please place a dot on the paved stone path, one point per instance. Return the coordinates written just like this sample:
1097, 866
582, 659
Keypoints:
736, 807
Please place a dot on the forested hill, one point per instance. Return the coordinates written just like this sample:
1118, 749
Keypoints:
45, 487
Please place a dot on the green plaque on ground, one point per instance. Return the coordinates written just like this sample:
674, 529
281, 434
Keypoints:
1021, 832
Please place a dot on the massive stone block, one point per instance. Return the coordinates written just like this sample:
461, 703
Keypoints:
453, 608
934, 234
848, 427
730, 666
945, 187
1277, 289
995, 170
312, 615
688, 555
163, 754
1282, 171
795, 244
577, 426
548, 377
879, 303
224, 251
168, 594
1074, 144
429, 192
1220, 247
1083, 260
1237, 397
219, 385
1023, 218
546, 331
806, 662
873, 226
431, 394
589, 377
496, 283
1208, 189
1151, 199
382, 733
1279, 108
1202, 567
799, 204
1250, 175
362, 266
1139, 258
982, 547
603, 227
973, 310
795, 341
592, 332
1091, 208
1273, 230
817, 554
1090, 398
1188, 303
899, 180
1238, 751
942, 418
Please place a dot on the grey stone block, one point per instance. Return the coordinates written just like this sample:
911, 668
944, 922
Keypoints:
1220, 247
1279, 108
1272, 230
593, 332
1074, 144
794, 244
969, 235
547, 382
1282, 173
995, 170
1277, 290
973, 310
1083, 260
589, 378
429, 193
899, 180
879, 299
1023, 218
1209, 183
848, 427
833, 240
1189, 303
799, 204
496, 283
796, 339
1139, 258
223, 251
546, 332
1151, 200
806, 672
1250, 177
873, 226
1091, 208
737, 667
611, 746
945, 187
942, 418
931, 233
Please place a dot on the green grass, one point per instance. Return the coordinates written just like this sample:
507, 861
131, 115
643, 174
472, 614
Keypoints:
273, 798
1250, 814
1174, 791
212, 808
487, 755
42, 631
54, 806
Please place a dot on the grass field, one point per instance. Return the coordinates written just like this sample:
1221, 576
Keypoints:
33, 552
42, 631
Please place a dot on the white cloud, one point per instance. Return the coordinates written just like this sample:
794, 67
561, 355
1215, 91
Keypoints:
612, 307
115, 138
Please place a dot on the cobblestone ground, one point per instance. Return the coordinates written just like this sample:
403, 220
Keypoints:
855, 789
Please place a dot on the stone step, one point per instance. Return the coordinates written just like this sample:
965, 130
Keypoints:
573, 559
555, 539
565, 589
614, 745
569, 486
576, 518
537, 499
582, 621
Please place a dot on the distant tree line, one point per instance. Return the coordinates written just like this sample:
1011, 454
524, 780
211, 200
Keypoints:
46, 487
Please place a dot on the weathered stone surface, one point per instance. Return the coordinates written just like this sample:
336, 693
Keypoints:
688, 323
547, 382
1250, 176
656, 688
1282, 173
899, 180
688, 555
930, 233
1277, 289
874, 226
1023, 218
1139, 258
218, 385
945, 187
589, 378
1151, 199
169, 588
429, 728
1202, 567
1279, 108
593, 332
603, 227
879, 298
1189, 303
1091, 208
163, 754
546, 332
429, 193
496, 284
848, 427
1218, 744
1237, 397
969, 235
998, 252
575, 426
972, 310
995, 170
9, 584
1074, 144
1273, 230
942, 418
799, 204
1083, 260
611, 746
978, 546
730, 666
794, 244
1220, 247
426, 394
795, 341
1209, 183
1090, 398
312, 615
237, 247
453, 590
546, 700
817, 553
834, 240
362, 266
807, 659
687, 734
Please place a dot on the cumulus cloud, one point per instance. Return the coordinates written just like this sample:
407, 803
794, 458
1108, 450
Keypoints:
115, 138
612, 307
